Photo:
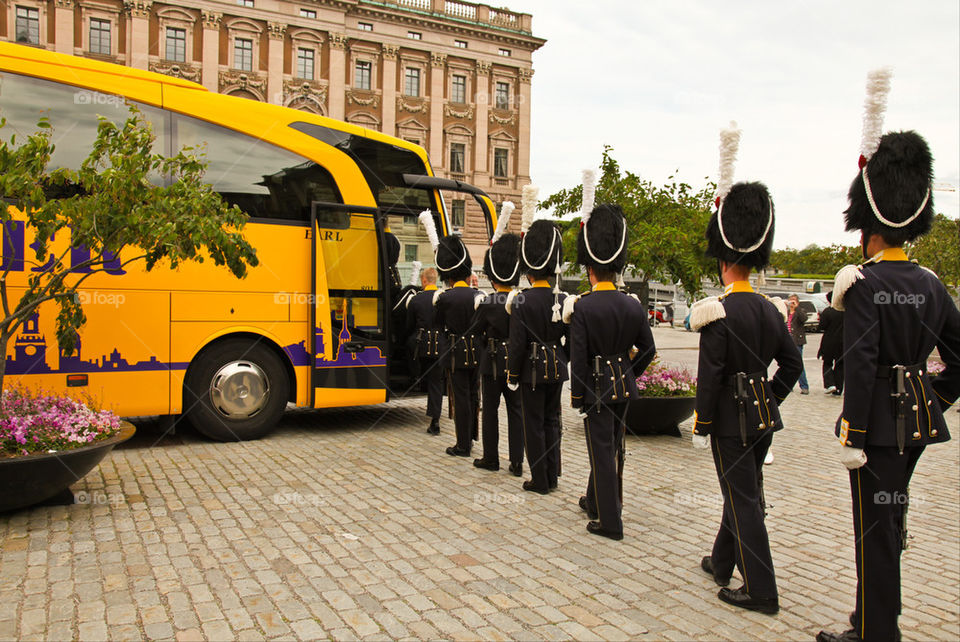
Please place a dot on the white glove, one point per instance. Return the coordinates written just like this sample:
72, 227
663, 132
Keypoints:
513, 386
701, 441
581, 413
852, 458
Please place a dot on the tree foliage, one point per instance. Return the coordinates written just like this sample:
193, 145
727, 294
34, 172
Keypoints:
123, 197
939, 250
666, 222
815, 259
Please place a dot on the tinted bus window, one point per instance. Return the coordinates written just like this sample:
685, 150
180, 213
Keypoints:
265, 181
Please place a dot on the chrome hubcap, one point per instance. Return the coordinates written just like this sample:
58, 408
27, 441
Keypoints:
239, 390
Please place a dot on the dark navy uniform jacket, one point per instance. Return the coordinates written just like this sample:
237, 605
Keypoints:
420, 310
744, 334
606, 323
455, 308
531, 320
896, 314
493, 321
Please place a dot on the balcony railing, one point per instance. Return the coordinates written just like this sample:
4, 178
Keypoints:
471, 11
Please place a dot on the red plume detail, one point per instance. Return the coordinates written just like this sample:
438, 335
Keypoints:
716, 202
863, 161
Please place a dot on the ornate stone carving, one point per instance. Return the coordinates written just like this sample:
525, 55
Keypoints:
483, 68
466, 112
503, 118
438, 59
297, 88
65, 4
412, 105
338, 40
177, 70
525, 75
364, 98
390, 52
232, 80
211, 19
138, 8
276, 30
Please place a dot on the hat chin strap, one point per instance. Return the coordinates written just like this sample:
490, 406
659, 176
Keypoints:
745, 250
523, 251
623, 241
876, 211
453, 267
493, 270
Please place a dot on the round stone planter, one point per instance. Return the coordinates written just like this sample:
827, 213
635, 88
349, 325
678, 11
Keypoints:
658, 415
31, 479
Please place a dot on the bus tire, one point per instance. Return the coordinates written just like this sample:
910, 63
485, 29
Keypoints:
236, 390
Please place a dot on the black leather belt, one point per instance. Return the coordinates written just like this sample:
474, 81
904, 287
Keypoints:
883, 372
731, 380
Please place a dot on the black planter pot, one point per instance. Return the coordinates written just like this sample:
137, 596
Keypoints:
658, 415
31, 479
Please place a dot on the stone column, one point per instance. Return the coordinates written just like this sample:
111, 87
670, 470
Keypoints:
481, 175
138, 33
523, 149
63, 30
210, 62
388, 71
276, 32
338, 62
438, 65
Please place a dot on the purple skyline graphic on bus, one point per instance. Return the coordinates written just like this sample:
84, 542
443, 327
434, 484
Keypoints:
369, 357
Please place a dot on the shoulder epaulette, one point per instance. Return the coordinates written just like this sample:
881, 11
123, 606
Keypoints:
510, 297
928, 270
436, 295
705, 312
568, 304
779, 304
478, 299
846, 277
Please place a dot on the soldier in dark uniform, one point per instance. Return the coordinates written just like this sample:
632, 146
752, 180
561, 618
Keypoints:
455, 309
537, 357
501, 264
896, 313
737, 404
427, 345
605, 326
831, 348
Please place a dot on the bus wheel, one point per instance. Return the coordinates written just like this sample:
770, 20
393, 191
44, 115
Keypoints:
236, 390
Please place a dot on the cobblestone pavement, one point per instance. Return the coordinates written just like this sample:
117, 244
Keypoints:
353, 524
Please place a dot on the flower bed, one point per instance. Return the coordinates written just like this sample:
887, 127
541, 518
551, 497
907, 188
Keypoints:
38, 423
935, 367
659, 380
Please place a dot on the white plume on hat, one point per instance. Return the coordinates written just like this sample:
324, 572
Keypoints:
426, 219
589, 194
874, 108
729, 144
502, 221
529, 204
415, 273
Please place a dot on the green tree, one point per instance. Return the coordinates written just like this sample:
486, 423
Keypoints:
109, 204
939, 250
667, 224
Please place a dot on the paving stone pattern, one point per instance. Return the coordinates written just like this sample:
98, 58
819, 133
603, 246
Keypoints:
350, 524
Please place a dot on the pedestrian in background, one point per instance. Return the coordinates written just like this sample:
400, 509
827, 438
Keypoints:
796, 318
831, 348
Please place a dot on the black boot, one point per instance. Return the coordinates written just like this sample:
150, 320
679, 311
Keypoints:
434, 428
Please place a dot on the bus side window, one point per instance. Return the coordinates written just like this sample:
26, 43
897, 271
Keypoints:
265, 181
331, 219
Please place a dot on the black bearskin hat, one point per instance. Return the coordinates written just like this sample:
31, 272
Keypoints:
606, 233
501, 262
900, 174
747, 217
392, 247
453, 259
541, 249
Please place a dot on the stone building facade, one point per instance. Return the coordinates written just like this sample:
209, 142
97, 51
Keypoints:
451, 76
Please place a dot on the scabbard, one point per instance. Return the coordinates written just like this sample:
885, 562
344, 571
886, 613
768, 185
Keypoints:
533, 365
742, 411
901, 426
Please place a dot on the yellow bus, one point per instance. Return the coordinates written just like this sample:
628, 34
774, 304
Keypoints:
310, 325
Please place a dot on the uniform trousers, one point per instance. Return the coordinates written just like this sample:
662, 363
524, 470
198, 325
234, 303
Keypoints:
742, 539
604, 429
833, 373
491, 391
463, 381
432, 372
879, 494
540, 409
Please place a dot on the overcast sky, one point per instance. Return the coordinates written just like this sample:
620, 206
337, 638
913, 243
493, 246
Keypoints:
658, 79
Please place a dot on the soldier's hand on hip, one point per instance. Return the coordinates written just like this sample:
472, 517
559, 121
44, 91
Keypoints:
852, 458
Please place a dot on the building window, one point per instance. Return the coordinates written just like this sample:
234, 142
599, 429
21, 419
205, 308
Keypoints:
502, 96
364, 26
361, 74
500, 163
245, 3
305, 63
505, 52
308, 13
415, 141
243, 54
458, 152
28, 25
99, 36
460, 44
414, 35
458, 93
411, 85
409, 220
458, 212
409, 253
176, 44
